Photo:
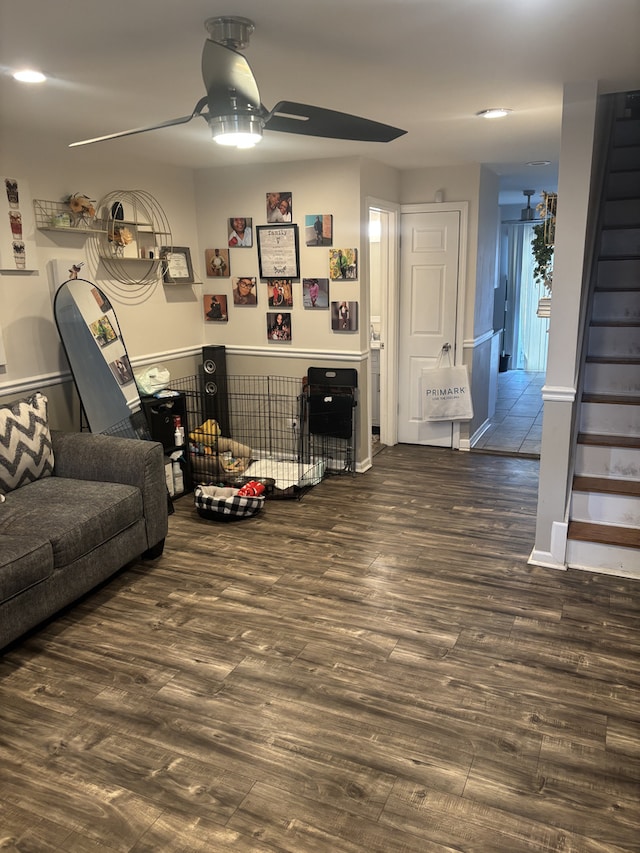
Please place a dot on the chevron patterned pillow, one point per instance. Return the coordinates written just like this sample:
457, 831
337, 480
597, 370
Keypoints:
26, 453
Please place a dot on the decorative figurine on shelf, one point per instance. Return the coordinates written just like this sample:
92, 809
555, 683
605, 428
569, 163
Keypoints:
82, 210
119, 237
74, 270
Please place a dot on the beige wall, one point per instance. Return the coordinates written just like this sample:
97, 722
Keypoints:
328, 187
574, 186
479, 348
153, 318
162, 323
487, 253
457, 183
479, 186
165, 324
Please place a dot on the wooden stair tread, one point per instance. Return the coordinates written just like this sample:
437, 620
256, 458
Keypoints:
618, 288
611, 359
606, 485
614, 324
624, 399
612, 257
604, 534
603, 440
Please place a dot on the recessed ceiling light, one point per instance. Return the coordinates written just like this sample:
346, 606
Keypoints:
494, 112
539, 163
28, 75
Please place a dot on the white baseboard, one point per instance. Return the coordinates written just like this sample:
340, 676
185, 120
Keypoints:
545, 559
477, 435
364, 465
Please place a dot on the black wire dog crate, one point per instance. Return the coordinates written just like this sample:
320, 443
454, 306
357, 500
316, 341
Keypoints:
248, 428
260, 428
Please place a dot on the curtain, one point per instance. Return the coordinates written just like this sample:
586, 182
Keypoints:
529, 335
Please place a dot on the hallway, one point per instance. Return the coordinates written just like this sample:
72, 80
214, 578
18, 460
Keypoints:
516, 427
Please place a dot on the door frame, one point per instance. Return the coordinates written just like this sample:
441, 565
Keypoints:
389, 300
462, 207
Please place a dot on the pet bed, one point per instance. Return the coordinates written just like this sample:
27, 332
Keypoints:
223, 503
288, 476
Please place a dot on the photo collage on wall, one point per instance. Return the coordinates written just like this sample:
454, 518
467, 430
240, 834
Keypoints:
17, 228
279, 274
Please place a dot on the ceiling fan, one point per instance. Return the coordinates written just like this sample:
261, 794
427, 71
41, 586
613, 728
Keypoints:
232, 106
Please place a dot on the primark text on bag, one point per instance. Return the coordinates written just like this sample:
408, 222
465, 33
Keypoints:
446, 392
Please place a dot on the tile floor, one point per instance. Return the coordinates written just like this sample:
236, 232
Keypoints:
516, 427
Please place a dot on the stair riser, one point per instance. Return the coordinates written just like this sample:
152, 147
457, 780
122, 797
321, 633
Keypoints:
623, 305
621, 273
627, 158
614, 341
620, 241
602, 508
627, 132
610, 419
612, 379
607, 559
618, 463
623, 185
624, 212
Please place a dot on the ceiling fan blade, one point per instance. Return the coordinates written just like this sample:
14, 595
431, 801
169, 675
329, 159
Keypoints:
289, 117
170, 123
227, 74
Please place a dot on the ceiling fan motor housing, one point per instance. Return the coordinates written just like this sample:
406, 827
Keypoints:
230, 31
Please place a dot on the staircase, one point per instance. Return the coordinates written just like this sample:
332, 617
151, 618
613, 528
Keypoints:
604, 516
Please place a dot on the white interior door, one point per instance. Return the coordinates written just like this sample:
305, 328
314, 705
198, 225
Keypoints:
430, 260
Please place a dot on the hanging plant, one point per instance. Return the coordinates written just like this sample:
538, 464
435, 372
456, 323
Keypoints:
544, 234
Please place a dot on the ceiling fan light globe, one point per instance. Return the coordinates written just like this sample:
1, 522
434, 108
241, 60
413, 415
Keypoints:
241, 131
237, 140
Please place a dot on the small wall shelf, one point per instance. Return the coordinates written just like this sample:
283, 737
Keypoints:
133, 230
55, 216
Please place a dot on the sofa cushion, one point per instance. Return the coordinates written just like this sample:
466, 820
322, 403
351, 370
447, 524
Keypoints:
75, 515
24, 562
25, 443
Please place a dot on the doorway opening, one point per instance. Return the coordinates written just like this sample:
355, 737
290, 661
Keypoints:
375, 322
515, 428
525, 333
383, 238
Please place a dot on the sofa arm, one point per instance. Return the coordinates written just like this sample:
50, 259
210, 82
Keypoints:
108, 458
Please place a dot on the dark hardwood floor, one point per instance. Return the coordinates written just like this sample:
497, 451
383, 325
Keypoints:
373, 668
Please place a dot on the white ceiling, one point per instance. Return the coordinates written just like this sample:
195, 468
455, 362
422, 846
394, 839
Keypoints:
424, 65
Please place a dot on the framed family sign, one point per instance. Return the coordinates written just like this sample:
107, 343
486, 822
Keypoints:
278, 251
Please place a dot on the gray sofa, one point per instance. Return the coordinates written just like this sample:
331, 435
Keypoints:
104, 505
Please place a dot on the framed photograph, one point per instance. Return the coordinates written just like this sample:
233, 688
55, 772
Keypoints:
343, 264
279, 207
315, 292
101, 299
215, 307
240, 232
344, 316
178, 267
244, 291
278, 251
318, 229
121, 369
216, 262
103, 331
280, 293
278, 326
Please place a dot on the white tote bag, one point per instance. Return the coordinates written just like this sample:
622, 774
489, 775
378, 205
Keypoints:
446, 392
